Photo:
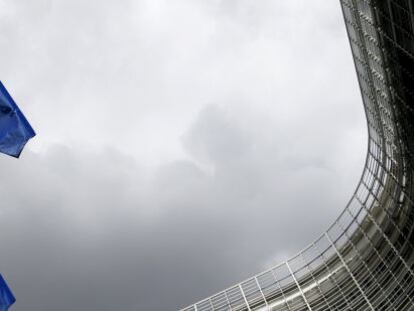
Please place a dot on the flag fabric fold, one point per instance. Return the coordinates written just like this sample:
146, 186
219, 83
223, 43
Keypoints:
15, 130
6, 296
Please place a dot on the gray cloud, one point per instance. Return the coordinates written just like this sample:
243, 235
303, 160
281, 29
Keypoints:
183, 145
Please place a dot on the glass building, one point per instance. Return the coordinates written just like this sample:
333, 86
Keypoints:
365, 259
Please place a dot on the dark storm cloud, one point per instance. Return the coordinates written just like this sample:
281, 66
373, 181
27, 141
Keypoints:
183, 145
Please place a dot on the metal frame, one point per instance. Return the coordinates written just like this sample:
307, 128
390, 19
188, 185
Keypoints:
365, 260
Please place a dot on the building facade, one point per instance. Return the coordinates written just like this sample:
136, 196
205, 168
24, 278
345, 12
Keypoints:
365, 260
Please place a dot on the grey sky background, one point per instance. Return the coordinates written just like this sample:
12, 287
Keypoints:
183, 145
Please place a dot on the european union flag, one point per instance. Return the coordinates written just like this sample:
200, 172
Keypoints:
6, 296
15, 131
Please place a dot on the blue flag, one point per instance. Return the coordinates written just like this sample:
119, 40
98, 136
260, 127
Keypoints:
6, 296
15, 131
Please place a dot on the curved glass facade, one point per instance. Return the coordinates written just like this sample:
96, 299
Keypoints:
365, 260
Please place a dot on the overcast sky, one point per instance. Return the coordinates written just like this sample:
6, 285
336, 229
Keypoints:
183, 145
